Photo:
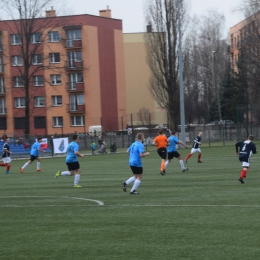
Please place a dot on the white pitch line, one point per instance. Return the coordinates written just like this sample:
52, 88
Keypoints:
100, 203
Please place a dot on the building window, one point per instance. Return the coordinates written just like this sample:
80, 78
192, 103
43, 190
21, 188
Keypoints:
54, 58
18, 82
2, 82
36, 37
54, 36
57, 121
17, 60
19, 123
19, 102
39, 102
39, 122
77, 120
1, 64
76, 100
2, 106
75, 56
76, 77
38, 81
15, 39
73, 34
36, 59
55, 79
56, 100
3, 124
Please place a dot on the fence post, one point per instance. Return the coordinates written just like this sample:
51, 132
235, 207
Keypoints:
223, 136
209, 137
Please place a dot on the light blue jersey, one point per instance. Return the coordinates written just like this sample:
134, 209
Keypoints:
135, 150
35, 147
71, 156
173, 140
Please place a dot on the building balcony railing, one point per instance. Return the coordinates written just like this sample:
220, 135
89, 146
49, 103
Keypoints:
74, 65
75, 108
2, 111
75, 86
2, 91
1, 69
72, 43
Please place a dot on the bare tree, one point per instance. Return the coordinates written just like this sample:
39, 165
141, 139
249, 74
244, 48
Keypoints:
30, 31
162, 55
144, 116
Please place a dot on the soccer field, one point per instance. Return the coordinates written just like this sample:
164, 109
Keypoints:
204, 213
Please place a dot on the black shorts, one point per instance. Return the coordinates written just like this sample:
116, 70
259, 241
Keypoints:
173, 154
162, 153
136, 170
73, 166
33, 158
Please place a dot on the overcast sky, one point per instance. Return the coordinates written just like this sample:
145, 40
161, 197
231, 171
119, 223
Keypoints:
132, 11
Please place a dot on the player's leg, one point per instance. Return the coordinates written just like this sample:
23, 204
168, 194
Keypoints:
199, 155
181, 162
138, 178
27, 163
8, 166
167, 162
38, 164
189, 155
77, 175
243, 173
130, 180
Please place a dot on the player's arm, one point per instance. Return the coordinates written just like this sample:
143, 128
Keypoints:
128, 151
180, 142
78, 154
237, 145
7, 151
254, 151
196, 141
144, 154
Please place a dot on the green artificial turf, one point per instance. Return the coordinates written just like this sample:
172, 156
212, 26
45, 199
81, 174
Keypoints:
204, 213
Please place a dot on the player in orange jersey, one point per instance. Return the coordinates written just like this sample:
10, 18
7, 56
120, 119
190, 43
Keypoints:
161, 142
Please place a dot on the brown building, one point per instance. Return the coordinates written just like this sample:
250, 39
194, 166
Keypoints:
78, 76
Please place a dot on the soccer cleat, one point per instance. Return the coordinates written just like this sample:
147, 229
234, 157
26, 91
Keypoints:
162, 173
39, 170
199, 161
21, 170
186, 169
58, 174
77, 186
124, 186
7, 172
134, 192
244, 176
186, 160
241, 180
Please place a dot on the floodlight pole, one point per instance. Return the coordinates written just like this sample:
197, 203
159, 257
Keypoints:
182, 109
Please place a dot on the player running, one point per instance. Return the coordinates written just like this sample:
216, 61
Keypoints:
161, 141
246, 149
172, 152
195, 148
6, 156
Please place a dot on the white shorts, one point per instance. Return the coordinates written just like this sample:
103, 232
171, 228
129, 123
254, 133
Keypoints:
245, 164
193, 150
6, 159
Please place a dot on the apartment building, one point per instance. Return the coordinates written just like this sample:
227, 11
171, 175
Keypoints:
77, 75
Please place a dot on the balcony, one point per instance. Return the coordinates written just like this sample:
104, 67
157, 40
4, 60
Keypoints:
75, 108
2, 91
1, 69
74, 65
72, 43
75, 87
2, 111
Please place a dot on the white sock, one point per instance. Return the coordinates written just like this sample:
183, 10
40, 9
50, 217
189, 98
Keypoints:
76, 179
182, 164
65, 173
136, 184
130, 180
166, 164
38, 165
25, 165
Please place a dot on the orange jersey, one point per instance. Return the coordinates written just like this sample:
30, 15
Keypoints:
161, 141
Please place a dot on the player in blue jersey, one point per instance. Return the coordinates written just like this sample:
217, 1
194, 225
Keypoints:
172, 152
246, 149
72, 162
36, 147
195, 148
136, 152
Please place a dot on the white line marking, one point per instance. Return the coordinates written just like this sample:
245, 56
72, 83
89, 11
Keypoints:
100, 203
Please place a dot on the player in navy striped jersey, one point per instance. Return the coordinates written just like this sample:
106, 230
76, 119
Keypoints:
6, 156
195, 148
246, 148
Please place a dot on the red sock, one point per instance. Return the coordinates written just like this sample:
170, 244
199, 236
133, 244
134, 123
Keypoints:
188, 156
243, 173
2, 164
8, 167
199, 157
